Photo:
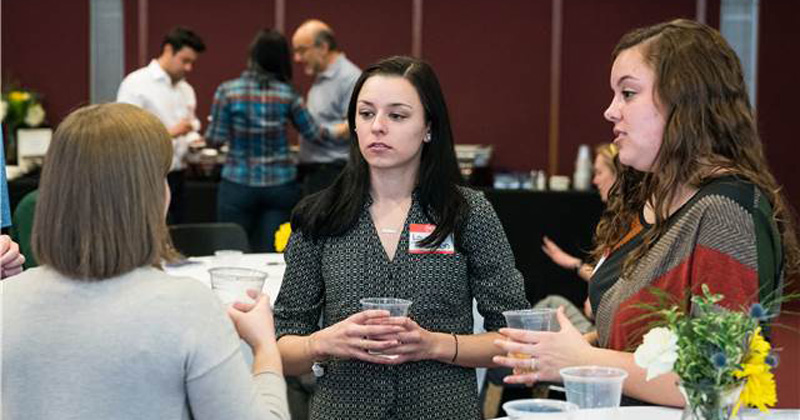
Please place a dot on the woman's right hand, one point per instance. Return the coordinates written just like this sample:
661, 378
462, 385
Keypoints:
350, 338
558, 255
254, 321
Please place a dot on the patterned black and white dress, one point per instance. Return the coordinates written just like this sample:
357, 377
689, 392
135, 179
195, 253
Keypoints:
328, 277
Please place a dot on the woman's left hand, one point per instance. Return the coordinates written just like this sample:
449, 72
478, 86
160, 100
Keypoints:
550, 351
416, 343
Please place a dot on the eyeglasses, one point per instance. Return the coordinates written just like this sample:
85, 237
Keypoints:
301, 49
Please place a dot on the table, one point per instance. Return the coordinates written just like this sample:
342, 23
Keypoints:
662, 413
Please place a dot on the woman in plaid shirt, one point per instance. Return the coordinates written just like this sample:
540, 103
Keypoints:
251, 113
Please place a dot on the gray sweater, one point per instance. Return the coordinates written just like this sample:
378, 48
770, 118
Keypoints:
144, 345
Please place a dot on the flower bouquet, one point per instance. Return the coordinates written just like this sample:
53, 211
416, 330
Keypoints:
720, 356
19, 108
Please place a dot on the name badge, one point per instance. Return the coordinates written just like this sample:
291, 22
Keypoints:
418, 232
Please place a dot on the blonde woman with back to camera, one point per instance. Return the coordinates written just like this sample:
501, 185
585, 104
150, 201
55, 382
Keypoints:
99, 331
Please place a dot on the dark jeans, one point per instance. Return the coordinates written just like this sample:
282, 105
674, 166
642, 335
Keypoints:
318, 176
176, 213
259, 210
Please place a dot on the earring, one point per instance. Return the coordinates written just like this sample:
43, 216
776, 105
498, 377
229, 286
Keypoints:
427, 138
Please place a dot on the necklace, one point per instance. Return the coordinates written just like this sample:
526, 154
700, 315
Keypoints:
389, 231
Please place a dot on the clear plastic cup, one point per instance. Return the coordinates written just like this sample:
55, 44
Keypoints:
231, 283
395, 306
593, 386
532, 320
539, 409
227, 257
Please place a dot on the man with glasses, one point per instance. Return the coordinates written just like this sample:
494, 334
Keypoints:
334, 76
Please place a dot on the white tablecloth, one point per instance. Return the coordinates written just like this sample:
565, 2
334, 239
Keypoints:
273, 264
662, 413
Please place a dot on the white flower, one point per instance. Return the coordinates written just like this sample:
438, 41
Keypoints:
658, 352
3, 109
35, 115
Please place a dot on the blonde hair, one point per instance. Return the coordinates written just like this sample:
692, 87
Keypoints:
609, 153
100, 210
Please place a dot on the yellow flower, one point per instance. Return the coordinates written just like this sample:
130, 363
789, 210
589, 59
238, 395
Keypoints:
759, 389
17, 96
282, 236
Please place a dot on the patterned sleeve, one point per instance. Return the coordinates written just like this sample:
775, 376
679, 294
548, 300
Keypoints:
218, 131
496, 283
727, 253
300, 301
305, 123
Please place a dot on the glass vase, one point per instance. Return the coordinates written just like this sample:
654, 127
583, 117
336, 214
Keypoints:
709, 402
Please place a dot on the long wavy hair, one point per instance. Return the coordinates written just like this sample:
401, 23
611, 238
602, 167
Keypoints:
710, 130
333, 211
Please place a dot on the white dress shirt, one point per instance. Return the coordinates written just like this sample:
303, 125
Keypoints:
152, 89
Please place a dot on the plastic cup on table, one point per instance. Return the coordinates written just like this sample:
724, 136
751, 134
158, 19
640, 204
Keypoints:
535, 408
227, 257
395, 306
531, 320
230, 284
593, 386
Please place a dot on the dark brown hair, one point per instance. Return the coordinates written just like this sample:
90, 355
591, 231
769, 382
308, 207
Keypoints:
102, 198
710, 130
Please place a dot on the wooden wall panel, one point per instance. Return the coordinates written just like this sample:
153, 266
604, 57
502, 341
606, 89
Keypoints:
778, 90
492, 59
45, 47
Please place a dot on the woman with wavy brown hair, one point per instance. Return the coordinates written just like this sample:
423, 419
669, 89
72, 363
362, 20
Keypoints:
696, 204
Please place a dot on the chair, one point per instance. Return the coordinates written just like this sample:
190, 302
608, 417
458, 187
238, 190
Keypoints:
22, 225
199, 239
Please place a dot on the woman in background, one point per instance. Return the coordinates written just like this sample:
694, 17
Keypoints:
606, 168
251, 114
99, 331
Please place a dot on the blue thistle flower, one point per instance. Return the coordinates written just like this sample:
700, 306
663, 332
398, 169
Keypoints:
719, 360
772, 360
758, 312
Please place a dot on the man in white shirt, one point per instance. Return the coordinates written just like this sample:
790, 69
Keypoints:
161, 88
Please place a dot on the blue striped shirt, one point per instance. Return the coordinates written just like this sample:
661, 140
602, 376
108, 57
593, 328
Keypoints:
251, 114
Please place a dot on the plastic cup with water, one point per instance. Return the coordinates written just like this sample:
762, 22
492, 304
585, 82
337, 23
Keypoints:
395, 306
227, 257
531, 320
231, 283
593, 386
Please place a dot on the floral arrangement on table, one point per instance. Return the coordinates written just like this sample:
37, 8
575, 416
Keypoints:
721, 357
19, 108
282, 236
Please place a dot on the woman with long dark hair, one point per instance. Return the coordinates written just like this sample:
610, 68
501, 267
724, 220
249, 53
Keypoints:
397, 224
251, 114
695, 205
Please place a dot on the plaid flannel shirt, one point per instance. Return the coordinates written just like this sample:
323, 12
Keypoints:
250, 113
